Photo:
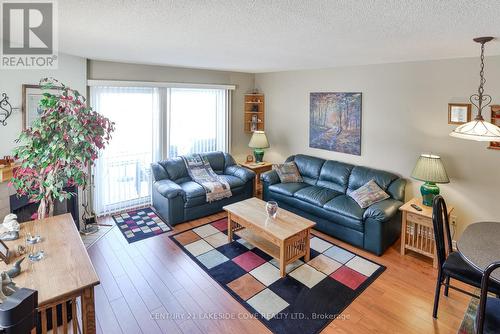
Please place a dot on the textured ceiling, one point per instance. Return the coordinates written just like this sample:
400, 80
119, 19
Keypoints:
276, 35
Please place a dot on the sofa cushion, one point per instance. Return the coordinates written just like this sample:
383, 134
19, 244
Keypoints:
346, 206
335, 175
233, 181
192, 189
361, 175
216, 160
288, 172
316, 195
176, 169
368, 194
287, 188
195, 194
333, 217
309, 167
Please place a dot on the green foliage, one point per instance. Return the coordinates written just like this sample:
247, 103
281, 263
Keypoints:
60, 145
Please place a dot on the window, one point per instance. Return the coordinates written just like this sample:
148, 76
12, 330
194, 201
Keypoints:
152, 123
197, 121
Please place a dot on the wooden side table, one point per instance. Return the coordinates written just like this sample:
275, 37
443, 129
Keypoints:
417, 231
258, 168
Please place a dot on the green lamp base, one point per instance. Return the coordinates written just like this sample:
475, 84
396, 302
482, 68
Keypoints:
258, 154
429, 190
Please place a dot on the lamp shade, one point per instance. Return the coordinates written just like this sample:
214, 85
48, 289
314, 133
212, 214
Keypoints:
478, 130
258, 140
430, 168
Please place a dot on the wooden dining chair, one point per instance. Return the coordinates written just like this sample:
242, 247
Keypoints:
488, 312
450, 263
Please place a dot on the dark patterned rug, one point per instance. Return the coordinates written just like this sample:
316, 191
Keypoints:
140, 224
305, 301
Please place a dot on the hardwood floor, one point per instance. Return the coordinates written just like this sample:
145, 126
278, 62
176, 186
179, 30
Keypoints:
151, 286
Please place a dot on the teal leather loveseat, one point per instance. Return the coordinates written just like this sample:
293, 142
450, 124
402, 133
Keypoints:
177, 198
324, 198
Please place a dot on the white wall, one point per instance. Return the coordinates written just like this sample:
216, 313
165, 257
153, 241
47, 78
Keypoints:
72, 71
244, 84
405, 113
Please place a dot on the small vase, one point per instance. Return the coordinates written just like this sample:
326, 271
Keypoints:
272, 209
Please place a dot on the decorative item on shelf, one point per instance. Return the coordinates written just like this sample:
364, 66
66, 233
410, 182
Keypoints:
16, 268
430, 169
479, 129
258, 142
272, 209
459, 113
5, 109
254, 115
495, 119
12, 226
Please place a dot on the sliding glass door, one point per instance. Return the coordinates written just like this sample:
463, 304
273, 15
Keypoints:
152, 123
122, 174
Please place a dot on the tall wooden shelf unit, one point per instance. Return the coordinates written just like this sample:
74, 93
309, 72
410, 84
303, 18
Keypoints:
254, 113
495, 119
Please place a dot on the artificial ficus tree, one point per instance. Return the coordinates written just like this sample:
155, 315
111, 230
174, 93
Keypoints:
56, 151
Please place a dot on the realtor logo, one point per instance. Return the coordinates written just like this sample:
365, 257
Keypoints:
28, 35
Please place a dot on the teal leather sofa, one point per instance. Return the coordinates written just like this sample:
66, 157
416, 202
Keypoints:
177, 198
323, 198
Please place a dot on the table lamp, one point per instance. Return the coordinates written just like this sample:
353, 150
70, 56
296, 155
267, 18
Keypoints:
258, 142
429, 169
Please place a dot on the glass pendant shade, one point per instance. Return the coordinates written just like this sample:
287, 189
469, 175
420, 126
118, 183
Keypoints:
478, 130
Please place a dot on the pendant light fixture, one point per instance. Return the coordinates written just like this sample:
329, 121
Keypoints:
479, 129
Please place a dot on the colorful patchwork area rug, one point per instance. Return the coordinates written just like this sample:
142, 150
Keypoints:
140, 224
305, 301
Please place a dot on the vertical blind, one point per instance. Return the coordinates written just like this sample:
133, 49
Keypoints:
152, 123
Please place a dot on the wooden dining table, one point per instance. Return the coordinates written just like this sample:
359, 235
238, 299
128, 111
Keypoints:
64, 278
479, 245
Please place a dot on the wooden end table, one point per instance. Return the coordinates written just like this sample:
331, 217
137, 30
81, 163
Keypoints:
286, 237
417, 231
258, 168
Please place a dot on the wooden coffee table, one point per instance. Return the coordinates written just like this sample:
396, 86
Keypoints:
286, 238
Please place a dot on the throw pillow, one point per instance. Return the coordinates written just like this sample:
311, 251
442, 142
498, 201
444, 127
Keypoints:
368, 194
288, 172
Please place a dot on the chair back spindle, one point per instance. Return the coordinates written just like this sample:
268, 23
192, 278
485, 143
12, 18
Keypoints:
441, 225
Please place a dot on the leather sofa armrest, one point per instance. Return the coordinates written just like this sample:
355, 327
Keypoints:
270, 177
397, 189
383, 211
240, 172
168, 188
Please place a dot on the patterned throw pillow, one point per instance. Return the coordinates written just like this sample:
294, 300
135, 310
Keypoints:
368, 194
288, 172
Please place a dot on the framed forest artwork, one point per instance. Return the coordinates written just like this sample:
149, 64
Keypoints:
335, 122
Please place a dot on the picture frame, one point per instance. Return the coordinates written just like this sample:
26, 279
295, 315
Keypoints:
335, 121
459, 113
32, 94
4, 252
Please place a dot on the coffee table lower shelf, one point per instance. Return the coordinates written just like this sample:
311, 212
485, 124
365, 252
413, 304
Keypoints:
289, 250
259, 242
